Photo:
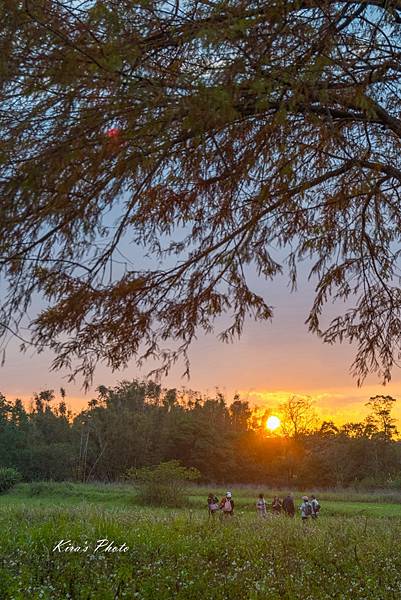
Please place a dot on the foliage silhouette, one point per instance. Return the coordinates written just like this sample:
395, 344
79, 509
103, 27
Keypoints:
215, 132
138, 425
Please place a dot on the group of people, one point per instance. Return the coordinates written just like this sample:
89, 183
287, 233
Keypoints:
309, 508
225, 505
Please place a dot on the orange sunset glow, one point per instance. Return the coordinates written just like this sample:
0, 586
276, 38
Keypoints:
200, 299
270, 363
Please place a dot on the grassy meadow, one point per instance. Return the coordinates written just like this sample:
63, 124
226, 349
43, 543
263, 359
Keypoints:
350, 552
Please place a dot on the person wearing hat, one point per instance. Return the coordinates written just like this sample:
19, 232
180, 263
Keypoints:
227, 505
305, 508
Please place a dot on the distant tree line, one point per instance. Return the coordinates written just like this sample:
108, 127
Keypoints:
139, 424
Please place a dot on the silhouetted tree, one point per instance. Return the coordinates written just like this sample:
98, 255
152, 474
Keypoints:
214, 133
381, 415
298, 416
139, 424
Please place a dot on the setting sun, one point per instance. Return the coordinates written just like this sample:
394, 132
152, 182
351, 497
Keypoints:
273, 423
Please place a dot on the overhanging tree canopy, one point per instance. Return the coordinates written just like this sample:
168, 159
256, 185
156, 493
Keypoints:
216, 132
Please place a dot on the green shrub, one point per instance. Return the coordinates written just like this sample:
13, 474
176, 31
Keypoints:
51, 488
8, 478
36, 488
395, 483
163, 485
370, 483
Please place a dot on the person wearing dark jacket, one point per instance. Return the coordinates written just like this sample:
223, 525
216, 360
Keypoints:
289, 506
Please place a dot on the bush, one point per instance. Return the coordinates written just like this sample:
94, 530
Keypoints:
38, 488
395, 483
8, 478
370, 483
163, 485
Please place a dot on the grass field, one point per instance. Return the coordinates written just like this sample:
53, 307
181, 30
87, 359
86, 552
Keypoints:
350, 553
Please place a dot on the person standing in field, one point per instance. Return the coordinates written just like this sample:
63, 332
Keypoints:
276, 505
212, 504
315, 507
305, 508
227, 505
289, 506
261, 506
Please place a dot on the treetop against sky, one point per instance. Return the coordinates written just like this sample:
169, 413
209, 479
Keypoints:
268, 132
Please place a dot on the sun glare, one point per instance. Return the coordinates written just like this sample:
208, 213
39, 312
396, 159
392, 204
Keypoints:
273, 423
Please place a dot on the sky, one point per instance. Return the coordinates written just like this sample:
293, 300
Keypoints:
272, 361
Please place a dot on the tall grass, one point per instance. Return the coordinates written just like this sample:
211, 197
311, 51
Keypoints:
183, 555
127, 492
333, 494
